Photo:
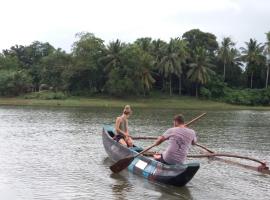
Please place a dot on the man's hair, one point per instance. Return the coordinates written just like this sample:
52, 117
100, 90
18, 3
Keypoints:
179, 119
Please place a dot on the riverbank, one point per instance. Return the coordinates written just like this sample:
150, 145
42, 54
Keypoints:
173, 102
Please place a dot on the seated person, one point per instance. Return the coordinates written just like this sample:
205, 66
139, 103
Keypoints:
121, 128
180, 138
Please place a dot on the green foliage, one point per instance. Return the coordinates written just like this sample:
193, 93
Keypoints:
171, 63
46, 95
120, 85
214, 89
55, 68
86, 72
206, 93
132, 76
29, 58
248, 96
253, 56
198, 39
8, 62
144, 43
194, 61
13, 83
200, 71
225, 53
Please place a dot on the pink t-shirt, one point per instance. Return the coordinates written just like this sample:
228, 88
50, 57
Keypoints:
180, 140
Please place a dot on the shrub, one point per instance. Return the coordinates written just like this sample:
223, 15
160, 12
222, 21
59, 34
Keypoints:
248, 96
204, 92
216, 87
14, 83
46, 95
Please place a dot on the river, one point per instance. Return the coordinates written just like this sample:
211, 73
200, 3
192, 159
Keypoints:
57, 153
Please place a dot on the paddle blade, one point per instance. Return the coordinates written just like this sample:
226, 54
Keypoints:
121, 164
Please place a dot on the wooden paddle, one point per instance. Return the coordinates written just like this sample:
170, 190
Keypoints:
204, 147
154, 138
125, 162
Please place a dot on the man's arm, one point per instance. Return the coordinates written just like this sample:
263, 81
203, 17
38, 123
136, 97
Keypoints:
163, 137
159, 140
194, 141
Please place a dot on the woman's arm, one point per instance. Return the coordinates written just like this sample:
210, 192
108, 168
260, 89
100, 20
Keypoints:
127, 133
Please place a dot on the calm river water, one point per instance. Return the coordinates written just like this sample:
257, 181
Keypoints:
57, 153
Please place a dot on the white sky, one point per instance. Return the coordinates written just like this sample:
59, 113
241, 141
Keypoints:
57, 21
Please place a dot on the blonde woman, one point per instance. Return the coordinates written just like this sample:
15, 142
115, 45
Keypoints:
121, 128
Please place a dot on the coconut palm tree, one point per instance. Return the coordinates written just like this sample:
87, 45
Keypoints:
112, 55
145, 72
171, 62
267, 51
253, 55
182, 56
234, 68
224, 53
144, 43
146, 79
200, 69
158, 52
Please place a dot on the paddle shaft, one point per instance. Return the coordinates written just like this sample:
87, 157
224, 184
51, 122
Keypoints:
154, 138
204, 147
215, 155
195, 119
227, 155
145, 150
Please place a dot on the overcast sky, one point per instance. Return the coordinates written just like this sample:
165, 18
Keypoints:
57, 21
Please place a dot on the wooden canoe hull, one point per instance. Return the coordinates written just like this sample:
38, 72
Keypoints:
178, 175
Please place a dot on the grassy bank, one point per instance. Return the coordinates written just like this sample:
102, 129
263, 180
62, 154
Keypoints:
174, 102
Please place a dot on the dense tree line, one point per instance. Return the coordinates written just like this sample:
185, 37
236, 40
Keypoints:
193, 64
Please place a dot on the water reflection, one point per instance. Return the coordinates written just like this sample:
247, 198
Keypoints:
121, 188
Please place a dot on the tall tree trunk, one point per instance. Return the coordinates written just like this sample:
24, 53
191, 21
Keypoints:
224, 71
143, 90
267, 76
196, 90
251, 80
163, 84
180, 85
170, 85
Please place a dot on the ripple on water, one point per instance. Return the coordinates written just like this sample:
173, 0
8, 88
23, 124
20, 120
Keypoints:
57, 153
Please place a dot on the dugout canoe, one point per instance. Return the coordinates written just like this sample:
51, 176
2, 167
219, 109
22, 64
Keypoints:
177, 175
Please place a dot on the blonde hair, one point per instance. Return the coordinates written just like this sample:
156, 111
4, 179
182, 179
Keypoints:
127, 110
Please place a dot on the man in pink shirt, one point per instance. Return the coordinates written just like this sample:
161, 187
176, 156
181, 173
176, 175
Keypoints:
180, 138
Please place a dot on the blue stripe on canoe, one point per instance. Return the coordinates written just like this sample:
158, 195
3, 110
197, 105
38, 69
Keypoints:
131, 165
149, 169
